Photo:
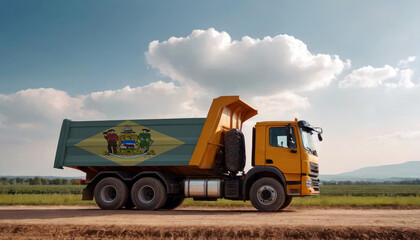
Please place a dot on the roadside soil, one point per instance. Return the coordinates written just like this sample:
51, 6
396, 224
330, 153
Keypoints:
76, 222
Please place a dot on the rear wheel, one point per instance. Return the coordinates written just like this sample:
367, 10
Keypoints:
148, 194
173, 201
267, 195
111, 193
287, 202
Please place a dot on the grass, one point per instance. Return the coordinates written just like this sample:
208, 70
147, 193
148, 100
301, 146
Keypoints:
43, 199
41, 189
343, 195
371, 190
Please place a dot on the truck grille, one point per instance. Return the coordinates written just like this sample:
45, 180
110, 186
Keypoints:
314, 176
315, 183
314, 170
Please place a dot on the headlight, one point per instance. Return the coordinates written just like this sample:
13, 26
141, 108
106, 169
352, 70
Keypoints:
308, 183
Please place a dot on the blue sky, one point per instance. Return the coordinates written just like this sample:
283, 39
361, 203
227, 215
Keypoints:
82, 51
84, 46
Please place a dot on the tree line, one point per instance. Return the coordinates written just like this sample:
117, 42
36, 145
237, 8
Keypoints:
38, 181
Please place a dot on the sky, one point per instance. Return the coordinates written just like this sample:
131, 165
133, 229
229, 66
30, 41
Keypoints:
350, 67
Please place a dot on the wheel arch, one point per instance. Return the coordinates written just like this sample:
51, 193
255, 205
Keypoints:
88, 191
154, 174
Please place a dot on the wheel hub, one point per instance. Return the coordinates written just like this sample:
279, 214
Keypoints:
146, 194
266, 195
108, 193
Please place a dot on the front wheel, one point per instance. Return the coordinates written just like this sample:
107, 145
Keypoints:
267, 194
148, 194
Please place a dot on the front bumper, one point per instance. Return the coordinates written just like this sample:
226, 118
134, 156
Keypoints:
310, 186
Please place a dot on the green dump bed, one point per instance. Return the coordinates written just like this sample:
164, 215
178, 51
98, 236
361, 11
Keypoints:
157, 142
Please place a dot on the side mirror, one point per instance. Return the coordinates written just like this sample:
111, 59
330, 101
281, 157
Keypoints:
319, 137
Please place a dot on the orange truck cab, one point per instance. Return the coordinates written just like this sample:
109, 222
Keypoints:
288, 147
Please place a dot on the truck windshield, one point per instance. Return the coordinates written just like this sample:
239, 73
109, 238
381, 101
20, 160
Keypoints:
307, 141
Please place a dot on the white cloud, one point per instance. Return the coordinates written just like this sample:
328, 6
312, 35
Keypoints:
405, 78
156, 100
370, 77
279, 106
404, 63
38, 103
34, 113
33, 108
213, 61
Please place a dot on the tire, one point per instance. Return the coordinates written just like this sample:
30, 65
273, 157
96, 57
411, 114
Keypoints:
148, 194
111, 193
267, 195
287, 202
173, 201
234, 150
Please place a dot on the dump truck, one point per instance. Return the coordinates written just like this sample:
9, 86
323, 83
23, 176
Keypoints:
153, 164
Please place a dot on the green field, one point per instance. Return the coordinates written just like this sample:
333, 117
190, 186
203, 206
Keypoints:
43, 199
343, 195
41, 189
371, 190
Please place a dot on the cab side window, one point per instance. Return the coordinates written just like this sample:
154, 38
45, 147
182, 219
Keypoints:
278, 137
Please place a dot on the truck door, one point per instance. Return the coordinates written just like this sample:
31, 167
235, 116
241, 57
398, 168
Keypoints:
278, 153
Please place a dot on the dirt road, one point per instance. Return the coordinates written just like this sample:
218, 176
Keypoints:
199, 222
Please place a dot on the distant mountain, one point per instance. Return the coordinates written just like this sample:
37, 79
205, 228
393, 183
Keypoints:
407, 170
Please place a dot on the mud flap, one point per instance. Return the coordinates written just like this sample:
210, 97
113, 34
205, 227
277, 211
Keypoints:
87, 194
